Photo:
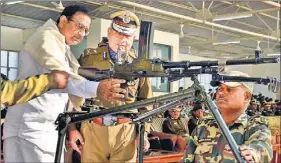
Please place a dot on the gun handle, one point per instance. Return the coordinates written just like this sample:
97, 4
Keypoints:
125, 86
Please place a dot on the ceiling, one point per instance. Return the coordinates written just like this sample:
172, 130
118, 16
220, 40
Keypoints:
199, 31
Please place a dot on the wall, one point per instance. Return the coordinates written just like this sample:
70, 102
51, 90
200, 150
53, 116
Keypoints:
95, 34
78, 49
27, 33
11, 38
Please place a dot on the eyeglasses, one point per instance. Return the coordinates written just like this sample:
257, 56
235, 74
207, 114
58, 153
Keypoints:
176, 111
81, 27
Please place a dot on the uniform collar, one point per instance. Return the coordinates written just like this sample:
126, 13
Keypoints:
109, 51
112, 54
242, 119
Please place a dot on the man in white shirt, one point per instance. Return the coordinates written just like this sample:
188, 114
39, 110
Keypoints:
29, 132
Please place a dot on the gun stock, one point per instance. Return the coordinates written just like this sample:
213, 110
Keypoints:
94, 74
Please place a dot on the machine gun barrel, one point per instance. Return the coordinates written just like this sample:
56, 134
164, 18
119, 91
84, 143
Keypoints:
190, 72
187, 64
273, 83
181, 73
217, 77
94, 74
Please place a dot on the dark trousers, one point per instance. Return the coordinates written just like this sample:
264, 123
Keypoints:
165, 144
76, 158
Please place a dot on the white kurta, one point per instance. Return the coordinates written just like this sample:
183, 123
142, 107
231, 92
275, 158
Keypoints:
34, 121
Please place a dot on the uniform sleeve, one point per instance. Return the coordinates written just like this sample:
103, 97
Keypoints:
260, 141
145, 90
20, 91
81, 88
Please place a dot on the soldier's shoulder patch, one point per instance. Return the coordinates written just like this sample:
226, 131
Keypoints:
89, 51
101, 44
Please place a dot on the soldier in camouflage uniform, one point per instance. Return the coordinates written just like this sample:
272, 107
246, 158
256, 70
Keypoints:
252, 135
20, 91
105, 142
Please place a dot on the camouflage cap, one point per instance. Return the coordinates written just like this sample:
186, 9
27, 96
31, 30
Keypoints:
248, 85
125, 22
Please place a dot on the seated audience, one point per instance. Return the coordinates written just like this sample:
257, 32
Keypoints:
174, 125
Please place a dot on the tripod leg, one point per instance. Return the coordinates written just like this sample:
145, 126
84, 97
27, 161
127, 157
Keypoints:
59, 147
141, 142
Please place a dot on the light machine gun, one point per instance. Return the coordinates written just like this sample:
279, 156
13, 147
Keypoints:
144, 67
158, 68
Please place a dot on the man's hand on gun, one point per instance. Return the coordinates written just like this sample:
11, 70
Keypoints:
110, 89
74, 136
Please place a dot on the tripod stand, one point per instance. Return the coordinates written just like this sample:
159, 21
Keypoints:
195, 91
65, 119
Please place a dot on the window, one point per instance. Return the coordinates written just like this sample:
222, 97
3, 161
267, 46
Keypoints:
205, 80
163, 52
9, 64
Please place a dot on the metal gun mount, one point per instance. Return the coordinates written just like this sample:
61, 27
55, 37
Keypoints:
195, 91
